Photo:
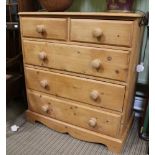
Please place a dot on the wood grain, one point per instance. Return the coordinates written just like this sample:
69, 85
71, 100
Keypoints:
113, 144
55, 28
77, 75
114, 32
91, 14
81, 79
114, 63
129, 97
75, 88
79, 115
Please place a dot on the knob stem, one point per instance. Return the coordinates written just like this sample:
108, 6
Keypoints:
96, 63
97, 33
44, 108
44, 83
42, 55
92, 122
94, 95
40, 29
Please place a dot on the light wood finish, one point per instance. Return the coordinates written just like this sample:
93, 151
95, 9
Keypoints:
102, 31
113, 144
85, 14
42, 56
82, 116
91, 61
53, 28
78, 75
95, 95
110, 96
72, 43
41, 29
44, 108
44, 83
77, 102
129, 99
97, 33
92, 122
83, 73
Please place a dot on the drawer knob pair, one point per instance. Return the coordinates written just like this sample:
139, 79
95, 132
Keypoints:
45, 108
96, 63
44, 83
92, 122
40, 29
94, 95
97, 33
42, 56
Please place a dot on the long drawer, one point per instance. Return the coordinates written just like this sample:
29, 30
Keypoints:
89, 91
51, 28
98, 62
110, 32
70, 112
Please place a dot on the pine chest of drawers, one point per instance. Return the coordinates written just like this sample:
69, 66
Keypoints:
80, 72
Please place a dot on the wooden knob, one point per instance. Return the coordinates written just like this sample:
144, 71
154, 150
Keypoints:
94, 94
92, 122
44, 83
44, 108
96, 63
40, 28
42, 55
97, 33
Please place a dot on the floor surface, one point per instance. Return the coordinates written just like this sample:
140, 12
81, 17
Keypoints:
37, 139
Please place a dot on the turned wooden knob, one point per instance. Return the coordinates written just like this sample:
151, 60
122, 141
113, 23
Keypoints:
44, 83
42, 56
94, 95
92, 122
40, 29
96, 63
97, 33
44, 108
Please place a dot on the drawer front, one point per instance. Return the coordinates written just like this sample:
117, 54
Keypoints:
93, 92
98, 62
53, 28
70, 112
110, 32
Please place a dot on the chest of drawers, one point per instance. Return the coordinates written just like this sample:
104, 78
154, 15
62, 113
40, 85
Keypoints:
80, 72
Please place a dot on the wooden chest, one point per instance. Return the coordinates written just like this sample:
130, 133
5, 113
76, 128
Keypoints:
80, 72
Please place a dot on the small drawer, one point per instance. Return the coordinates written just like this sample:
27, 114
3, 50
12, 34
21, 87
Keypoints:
89, 91
52, 28
73, 113
107, 63
110, 32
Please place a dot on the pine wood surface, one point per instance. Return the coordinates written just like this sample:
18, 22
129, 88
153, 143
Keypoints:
91, 61
113, 144
52, 28
92, 14
113, 64
104, 122
112, 32
111, 96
